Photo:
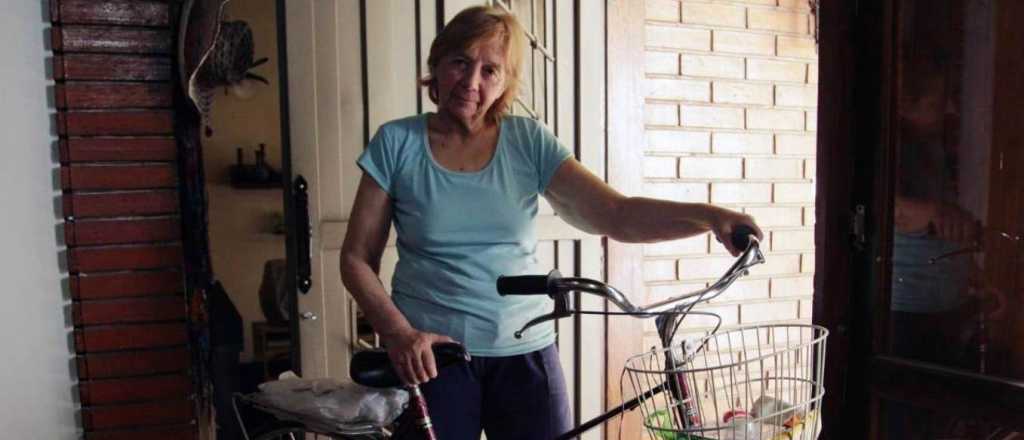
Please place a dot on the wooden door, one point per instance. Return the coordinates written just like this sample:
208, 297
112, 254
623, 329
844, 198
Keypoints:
923, 322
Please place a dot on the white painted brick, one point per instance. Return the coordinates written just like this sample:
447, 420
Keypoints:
683, 89
661, 114
678, 38
777, 20
660, 166
741, 93
778, 264
800, 5
772, 216
763, 168
713, 66
714, 15
711, 167
798, 47
700, 268
688, 246
812, 120
661, 62
794, 193
810, 168
774, 70
782, 287
800, 240
796, 96
741, 192
743, 42
714, 117
771, 119
663, 10
806, 309
807, 263
809, 213
680, 192
729, 314
659, 270
663, 291
739, 143
745, 289
769, 311
784, 334
802, 144
678, 141
812, 73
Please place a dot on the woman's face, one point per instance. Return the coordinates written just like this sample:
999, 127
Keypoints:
469, 82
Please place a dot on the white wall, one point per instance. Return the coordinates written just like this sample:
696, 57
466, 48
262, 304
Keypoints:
37, 400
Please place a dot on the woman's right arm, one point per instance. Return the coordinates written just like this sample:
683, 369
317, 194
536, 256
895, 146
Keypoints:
368, 227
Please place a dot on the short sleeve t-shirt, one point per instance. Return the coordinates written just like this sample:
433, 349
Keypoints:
458, 231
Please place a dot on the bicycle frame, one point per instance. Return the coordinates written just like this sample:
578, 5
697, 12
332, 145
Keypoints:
415, 424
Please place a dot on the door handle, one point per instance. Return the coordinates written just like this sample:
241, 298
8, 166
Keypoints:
308, 316
303, 235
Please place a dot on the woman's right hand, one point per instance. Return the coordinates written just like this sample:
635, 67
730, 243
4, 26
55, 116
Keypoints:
411, 354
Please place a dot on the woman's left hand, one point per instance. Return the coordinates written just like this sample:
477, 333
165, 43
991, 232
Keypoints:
725, 221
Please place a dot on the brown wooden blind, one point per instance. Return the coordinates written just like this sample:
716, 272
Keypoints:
113, 65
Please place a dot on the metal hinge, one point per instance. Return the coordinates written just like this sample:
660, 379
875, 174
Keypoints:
857, 228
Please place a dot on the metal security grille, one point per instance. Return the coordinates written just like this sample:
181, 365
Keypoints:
537, 93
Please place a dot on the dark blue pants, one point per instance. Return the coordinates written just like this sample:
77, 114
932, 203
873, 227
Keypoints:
513, 397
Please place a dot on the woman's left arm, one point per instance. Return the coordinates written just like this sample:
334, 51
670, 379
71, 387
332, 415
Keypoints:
586, 202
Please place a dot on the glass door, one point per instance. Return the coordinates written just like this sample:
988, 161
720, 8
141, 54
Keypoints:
921, 219
947, 323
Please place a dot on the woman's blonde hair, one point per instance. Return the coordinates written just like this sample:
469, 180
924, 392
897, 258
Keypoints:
470, 28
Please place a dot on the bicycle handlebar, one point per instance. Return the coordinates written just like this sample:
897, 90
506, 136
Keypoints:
526, 284
557, 287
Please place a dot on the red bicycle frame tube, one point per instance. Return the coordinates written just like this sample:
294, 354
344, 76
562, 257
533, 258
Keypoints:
415, 422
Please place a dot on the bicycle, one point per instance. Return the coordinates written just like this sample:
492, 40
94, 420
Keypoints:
680, 389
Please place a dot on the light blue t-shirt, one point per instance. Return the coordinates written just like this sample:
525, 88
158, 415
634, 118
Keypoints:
458, 231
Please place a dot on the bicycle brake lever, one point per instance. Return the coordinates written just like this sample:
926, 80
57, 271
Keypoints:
538, 320
561, 310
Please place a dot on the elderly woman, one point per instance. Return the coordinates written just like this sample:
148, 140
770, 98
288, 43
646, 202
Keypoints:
461, 188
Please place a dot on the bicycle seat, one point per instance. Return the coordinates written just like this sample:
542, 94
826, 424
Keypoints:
373, 368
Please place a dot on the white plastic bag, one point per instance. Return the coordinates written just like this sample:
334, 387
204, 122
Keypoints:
334, 401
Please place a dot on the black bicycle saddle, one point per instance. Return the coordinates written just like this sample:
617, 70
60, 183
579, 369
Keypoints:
373, 368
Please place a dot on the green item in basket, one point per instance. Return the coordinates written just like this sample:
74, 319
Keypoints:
660, 424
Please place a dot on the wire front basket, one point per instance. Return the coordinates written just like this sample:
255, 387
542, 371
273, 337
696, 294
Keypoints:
753, 383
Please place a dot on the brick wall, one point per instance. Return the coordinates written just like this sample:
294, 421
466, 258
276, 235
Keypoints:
731, 96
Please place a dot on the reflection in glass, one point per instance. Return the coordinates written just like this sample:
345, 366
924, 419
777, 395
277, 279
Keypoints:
944, 305
955, 256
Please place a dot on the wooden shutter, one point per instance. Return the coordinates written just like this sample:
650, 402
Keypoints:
114, 94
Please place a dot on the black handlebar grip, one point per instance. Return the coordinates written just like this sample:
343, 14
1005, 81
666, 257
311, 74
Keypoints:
741, 237
526, 284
